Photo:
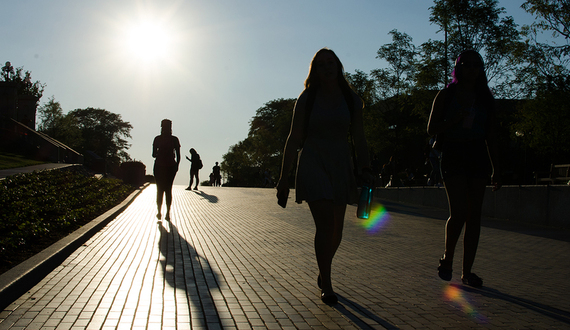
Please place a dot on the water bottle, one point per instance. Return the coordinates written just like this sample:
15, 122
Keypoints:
363, 210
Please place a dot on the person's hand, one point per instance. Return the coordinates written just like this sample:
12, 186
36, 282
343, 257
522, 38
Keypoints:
496, 182
187, 158
282, 186
367, 176
282, 193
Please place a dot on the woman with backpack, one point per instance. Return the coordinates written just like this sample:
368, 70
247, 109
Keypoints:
194, 168
463, 118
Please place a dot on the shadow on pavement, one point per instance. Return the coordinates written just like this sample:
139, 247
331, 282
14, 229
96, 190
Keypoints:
192, 275
209, 198
552, 312
440, 214
365, 314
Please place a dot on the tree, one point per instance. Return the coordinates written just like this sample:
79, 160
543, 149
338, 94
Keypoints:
544, 66
543, 126
544, 118
399, 77
103, 133
55, 124
552, 15
263, 148
432, 67
23, 81
476, 24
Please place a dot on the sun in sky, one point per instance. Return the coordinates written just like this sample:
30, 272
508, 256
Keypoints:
146, 37
147, 40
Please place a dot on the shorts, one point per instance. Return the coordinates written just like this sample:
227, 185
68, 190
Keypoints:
465, 158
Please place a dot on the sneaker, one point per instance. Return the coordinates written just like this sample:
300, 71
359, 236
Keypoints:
472, 280
444, 270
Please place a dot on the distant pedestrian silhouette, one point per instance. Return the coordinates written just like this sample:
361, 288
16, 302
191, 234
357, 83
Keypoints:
166, 151
324, 114
217, 175
196, 165
463, 117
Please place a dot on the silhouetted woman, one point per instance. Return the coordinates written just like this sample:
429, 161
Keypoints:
325, 112
166, 150
463, 117
196, 165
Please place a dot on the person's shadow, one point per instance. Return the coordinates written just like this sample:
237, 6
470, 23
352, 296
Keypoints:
548, 311
184, 269
359, 314
209, 198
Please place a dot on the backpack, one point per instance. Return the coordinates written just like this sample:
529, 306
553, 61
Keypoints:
199, 164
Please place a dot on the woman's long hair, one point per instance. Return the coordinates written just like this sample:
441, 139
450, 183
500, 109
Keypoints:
481, 85
313, 82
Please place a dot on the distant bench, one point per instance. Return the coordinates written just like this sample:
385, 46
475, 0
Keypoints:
557, 174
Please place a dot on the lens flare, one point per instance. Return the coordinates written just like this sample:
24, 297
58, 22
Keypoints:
377, 219
455, 295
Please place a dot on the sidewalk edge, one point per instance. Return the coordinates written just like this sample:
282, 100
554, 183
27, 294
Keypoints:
16, 281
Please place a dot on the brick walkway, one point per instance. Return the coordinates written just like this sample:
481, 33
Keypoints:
232, 259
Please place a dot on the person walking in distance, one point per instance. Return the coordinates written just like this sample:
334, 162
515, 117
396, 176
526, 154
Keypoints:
217, 175
196, 165
166, 151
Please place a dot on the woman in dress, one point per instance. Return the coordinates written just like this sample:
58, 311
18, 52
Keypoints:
325, 112
166, 150
463, 117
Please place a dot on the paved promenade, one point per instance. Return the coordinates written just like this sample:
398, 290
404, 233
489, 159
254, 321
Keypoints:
230, 258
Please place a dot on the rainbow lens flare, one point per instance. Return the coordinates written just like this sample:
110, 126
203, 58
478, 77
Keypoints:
455, 295
377, 219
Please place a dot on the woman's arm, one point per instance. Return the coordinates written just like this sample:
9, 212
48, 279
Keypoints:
177, 153
154, 148
436, 123
296, 135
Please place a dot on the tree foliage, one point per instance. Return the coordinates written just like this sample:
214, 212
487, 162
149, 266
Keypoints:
262, 150
23, 80
543, 125
399, 95
398, 78
54, 123
96, 130
478, 25
544, 66
544, 77
104, 133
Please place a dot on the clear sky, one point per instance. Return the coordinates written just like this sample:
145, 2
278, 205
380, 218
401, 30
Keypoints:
206, 65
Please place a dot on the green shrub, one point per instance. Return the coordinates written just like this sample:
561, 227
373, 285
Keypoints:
42, 204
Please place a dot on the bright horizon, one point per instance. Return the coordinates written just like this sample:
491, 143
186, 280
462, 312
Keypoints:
207, 66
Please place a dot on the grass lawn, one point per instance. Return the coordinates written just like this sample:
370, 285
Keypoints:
8, 160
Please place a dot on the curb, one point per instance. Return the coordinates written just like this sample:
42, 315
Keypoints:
16, 281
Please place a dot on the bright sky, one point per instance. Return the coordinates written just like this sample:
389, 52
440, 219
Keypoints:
206, 65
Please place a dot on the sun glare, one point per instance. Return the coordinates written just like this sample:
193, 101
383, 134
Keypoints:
148, 41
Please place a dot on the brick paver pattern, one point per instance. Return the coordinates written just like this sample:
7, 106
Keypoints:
231, 258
